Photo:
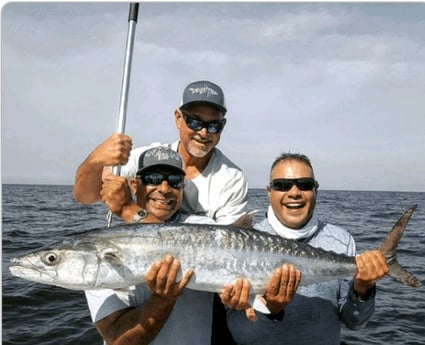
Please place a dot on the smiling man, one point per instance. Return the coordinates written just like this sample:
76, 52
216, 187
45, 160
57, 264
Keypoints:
312, 314
292, 207
158, 187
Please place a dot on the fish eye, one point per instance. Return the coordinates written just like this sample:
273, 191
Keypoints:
51, 258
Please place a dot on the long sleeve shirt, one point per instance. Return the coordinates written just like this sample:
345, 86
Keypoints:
316, 313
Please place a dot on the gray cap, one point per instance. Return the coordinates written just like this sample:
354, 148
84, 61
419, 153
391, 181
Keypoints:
204, 91
160, 156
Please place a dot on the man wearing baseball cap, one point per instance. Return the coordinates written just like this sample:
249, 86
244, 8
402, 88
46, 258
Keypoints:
152, 311
158, 189
215, 188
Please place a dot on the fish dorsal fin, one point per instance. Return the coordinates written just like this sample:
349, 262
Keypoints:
111, 255
245, 221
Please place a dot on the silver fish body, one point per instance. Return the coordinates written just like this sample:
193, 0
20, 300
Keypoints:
120, 256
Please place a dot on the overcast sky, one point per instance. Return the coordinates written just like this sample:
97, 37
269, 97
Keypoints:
343, 83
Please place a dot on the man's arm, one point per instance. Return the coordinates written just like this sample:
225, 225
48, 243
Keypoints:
115, 150
141, 325
357, 297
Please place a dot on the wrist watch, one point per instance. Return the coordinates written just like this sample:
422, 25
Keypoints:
141, 214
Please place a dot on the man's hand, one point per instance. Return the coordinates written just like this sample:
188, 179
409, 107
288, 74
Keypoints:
282, 287
161, 278
116, 194
371, 266
115, 150
236, 295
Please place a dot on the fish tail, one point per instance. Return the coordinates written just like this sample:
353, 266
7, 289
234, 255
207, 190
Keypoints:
389, 249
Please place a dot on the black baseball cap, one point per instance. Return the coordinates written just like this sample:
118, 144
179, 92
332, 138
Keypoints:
204, 91
160, 156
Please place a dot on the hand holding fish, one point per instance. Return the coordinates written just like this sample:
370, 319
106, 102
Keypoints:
282, 287
371, 266
236, 295
161, 278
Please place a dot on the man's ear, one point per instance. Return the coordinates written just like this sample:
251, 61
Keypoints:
177, 117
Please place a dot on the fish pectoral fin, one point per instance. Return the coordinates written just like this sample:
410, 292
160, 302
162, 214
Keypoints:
112, 255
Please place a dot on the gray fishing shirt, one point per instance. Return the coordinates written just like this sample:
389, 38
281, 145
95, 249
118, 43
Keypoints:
316, 313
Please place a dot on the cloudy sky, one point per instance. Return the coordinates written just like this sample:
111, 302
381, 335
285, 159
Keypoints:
343, 83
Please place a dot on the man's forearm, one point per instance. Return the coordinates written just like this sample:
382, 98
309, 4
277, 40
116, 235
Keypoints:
137, 326
88, 183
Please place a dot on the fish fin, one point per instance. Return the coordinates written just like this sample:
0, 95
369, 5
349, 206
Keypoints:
389, 249
112, 255
245, 221
401, 275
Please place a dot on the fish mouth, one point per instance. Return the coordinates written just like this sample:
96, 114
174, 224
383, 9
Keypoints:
23, 268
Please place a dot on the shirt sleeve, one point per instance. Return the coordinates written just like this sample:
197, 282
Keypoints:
233, 201
102, 303
354, 312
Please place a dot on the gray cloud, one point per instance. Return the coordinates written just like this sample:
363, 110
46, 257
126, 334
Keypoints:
341, 82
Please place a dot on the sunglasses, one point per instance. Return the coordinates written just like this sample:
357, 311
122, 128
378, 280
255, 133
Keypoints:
213, 127
285, 184
155, 179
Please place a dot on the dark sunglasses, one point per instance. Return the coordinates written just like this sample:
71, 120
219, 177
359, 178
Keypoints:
285, 184
155, 179
213, 127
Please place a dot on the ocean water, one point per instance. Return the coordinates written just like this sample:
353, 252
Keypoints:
36, 215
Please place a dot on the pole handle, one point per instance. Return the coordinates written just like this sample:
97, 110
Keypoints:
134, 12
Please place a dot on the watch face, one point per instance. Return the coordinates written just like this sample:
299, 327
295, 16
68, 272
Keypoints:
142, 214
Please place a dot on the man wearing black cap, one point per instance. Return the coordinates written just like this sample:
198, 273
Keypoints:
156, 201
215, 188
160, 311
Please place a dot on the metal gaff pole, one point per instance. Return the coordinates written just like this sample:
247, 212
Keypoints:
125, 85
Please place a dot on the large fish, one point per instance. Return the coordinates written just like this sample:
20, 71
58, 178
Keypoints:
120, 256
